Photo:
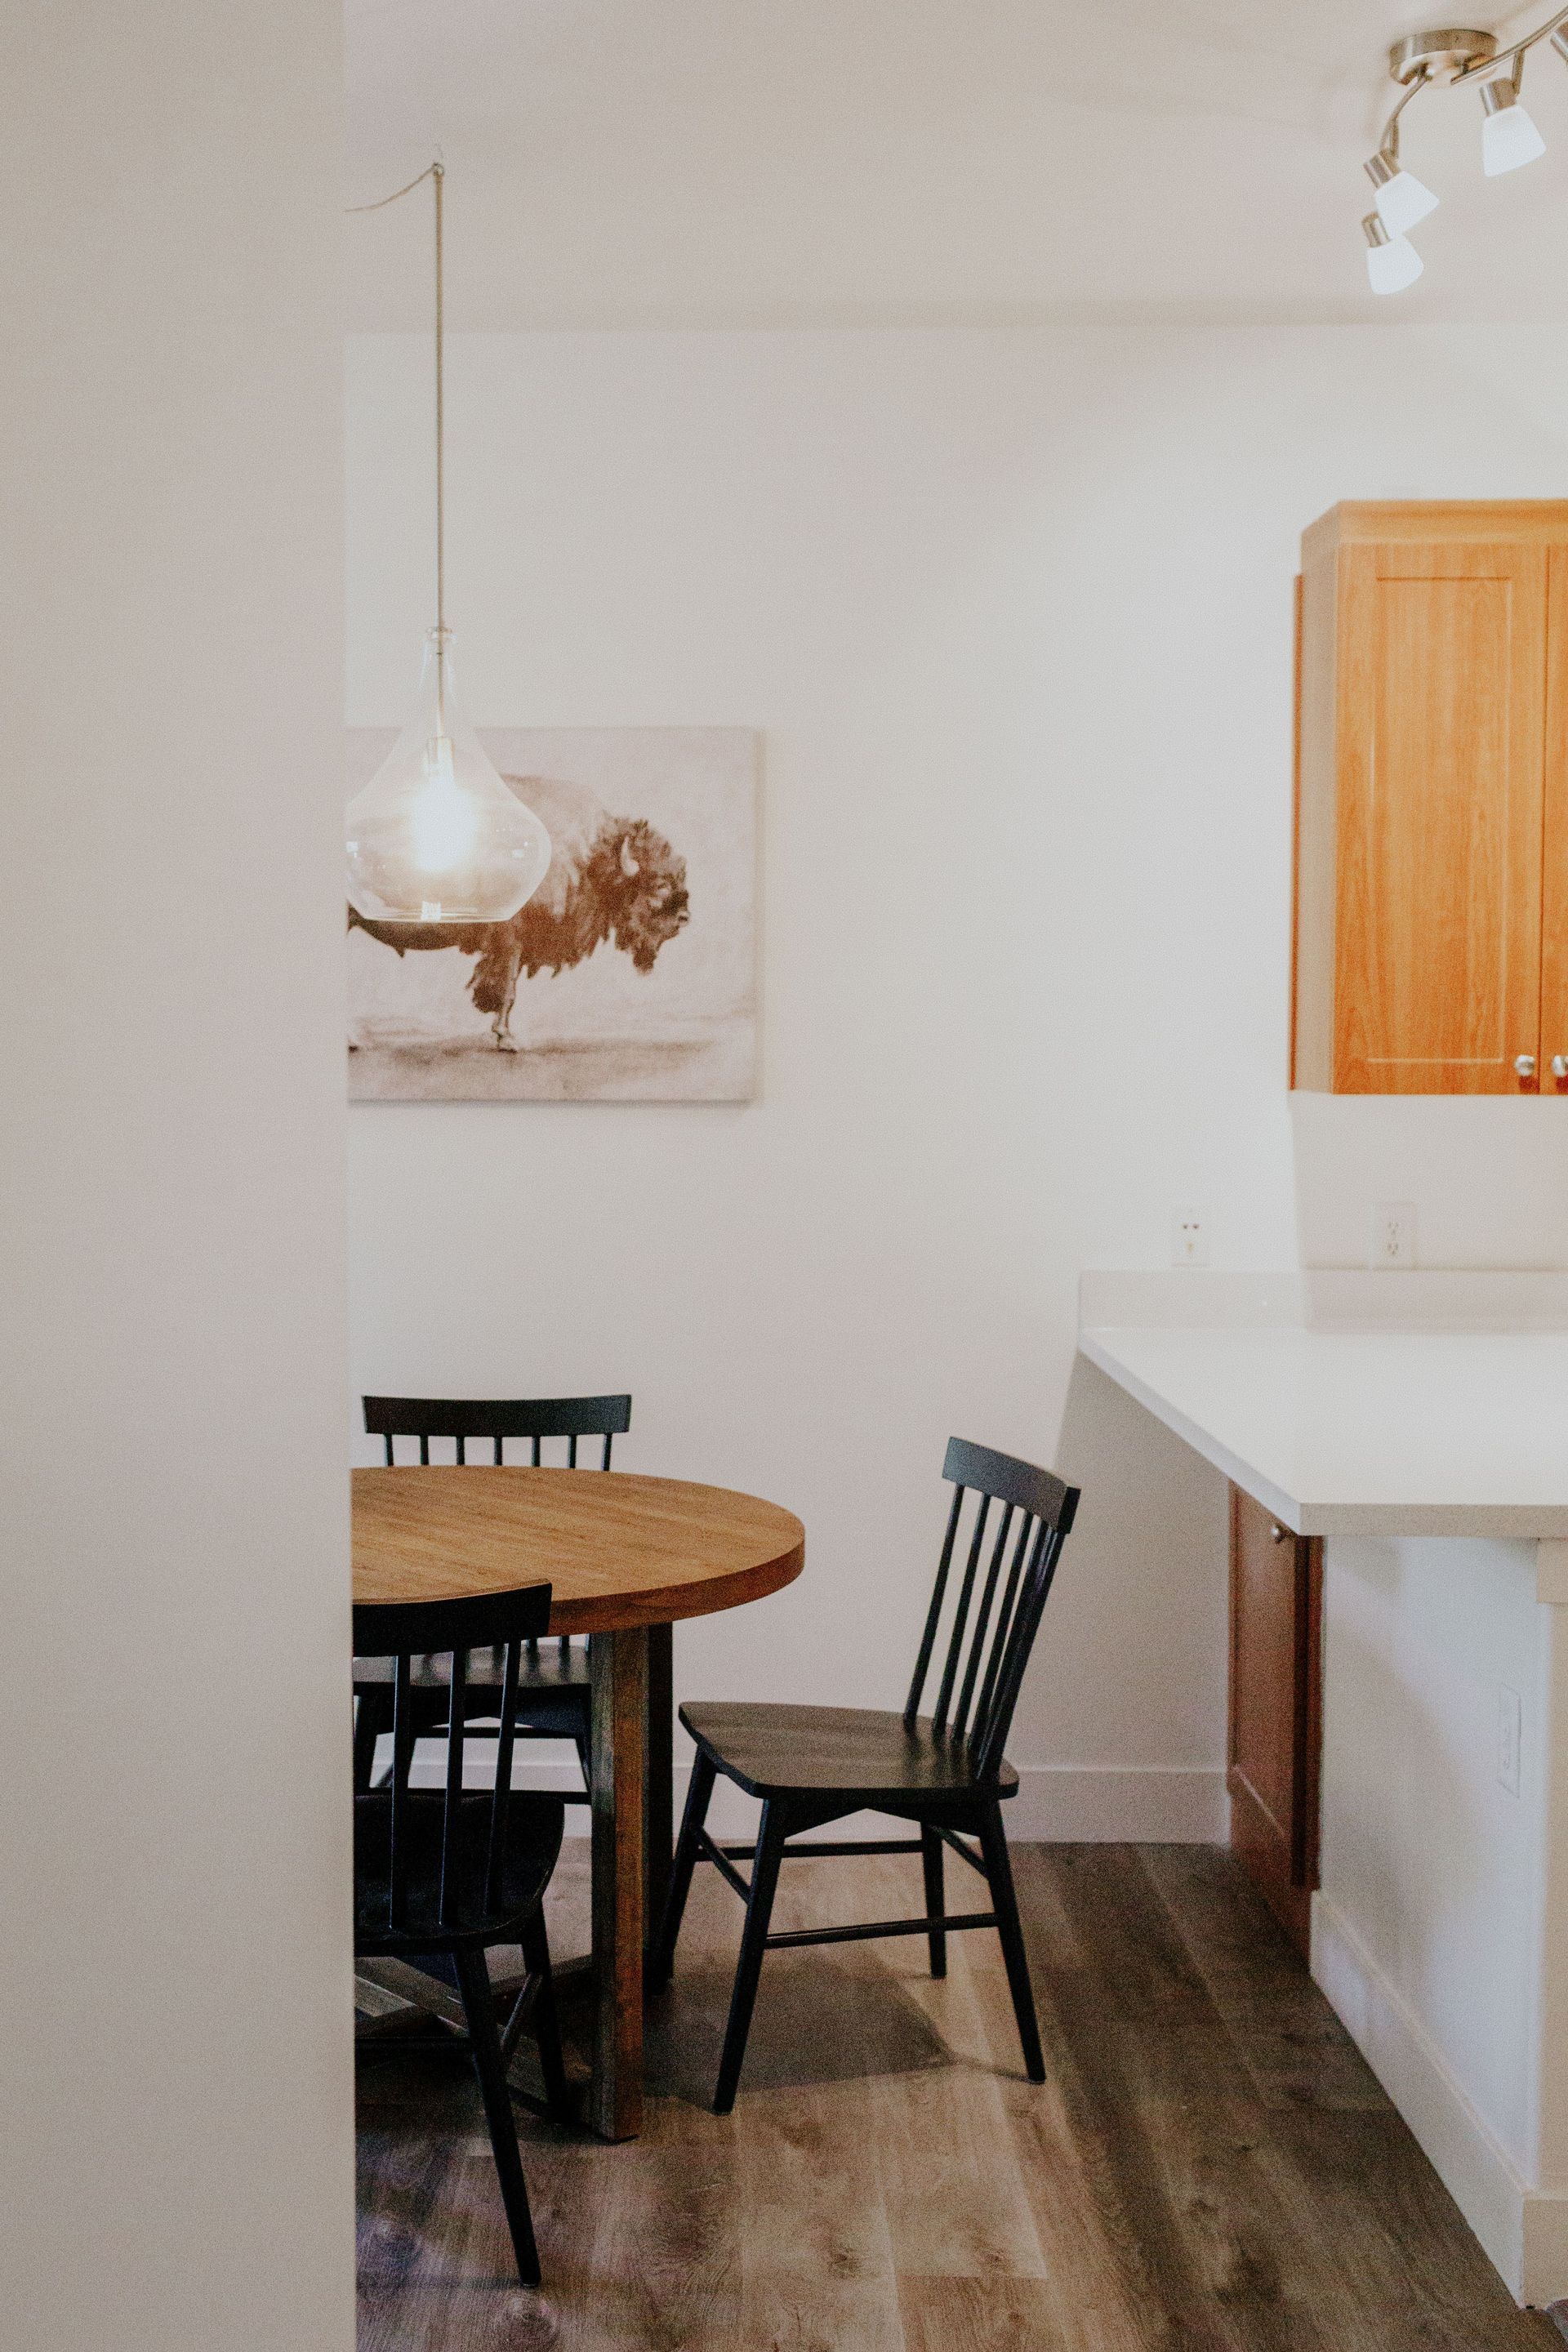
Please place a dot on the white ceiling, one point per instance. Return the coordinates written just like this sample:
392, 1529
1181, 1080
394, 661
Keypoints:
710, 162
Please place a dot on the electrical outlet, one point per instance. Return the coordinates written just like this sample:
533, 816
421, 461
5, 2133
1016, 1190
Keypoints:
1510, 1738
1392, 1243
1190, 1237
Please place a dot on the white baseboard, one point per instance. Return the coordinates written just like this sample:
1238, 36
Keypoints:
1523, 2230
1059, 1804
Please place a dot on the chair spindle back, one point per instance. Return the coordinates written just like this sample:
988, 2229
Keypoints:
497, 1418
988, 1640
403, 1631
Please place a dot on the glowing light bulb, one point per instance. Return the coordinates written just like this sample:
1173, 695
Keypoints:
1391, 262
443, 822
437, 836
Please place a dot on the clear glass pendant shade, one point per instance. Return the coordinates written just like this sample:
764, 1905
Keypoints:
436, 836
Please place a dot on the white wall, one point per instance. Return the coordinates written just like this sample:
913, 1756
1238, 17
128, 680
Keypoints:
175, 2161
1014, 609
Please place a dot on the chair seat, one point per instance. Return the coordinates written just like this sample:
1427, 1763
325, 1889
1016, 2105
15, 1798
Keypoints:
774, 1751
533, 1825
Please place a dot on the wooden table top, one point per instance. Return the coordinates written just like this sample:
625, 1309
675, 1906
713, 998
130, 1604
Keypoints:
619, 1551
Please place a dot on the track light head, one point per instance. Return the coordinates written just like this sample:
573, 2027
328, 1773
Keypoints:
1508, 137
1391, 262
1401, 198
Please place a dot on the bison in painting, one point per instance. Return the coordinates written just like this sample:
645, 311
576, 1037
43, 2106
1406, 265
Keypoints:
610, 879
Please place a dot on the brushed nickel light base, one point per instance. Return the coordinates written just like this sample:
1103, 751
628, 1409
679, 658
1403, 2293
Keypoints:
1440, 55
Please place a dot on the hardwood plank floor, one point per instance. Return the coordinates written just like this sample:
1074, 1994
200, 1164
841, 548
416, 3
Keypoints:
1209, 2169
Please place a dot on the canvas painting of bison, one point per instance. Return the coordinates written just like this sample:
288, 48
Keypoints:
629, 976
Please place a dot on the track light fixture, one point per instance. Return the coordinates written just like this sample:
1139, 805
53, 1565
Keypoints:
1509, 136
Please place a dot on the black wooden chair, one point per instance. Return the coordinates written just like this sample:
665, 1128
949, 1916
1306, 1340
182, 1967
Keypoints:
452, 1871
552, 1702
811, 1765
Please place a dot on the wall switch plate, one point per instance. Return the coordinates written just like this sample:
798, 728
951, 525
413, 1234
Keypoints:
1510, 1738
1392, 1243
1190, 1237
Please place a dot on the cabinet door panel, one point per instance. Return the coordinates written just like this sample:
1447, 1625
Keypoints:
1275, 1734
1440, 771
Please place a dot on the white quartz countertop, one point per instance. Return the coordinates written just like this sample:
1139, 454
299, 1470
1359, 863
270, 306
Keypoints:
1355, 1404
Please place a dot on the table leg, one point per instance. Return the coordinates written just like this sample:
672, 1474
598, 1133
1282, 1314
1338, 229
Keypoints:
659, 1805
618, 1668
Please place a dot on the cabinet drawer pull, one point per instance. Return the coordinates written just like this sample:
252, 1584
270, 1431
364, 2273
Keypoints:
1277, 1532
1524, 1065
1560, 1065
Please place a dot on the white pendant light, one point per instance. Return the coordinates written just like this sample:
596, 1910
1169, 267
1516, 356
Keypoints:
437, 836
1508, 137
1391, 262
1401, 198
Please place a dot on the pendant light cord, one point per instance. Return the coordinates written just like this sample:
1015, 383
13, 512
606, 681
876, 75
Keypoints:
435, 174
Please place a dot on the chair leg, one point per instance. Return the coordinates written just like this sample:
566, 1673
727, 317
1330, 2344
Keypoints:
931, 1863
484, 2041
545, 2024
699, 1791
743, 2000
1005, 1902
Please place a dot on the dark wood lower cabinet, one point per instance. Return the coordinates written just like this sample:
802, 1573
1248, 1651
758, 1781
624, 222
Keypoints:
1275, 1708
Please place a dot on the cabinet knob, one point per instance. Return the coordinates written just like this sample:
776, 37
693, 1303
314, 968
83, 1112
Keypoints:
1560, 1065
1277, 1532
1524, 1065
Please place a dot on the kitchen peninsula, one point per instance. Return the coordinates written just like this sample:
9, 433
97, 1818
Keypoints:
1417, 1424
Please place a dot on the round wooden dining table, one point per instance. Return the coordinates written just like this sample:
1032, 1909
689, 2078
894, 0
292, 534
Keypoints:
626, 1558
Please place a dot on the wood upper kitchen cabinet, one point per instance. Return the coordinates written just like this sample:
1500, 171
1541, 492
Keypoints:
1431, 931
1275, 1708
